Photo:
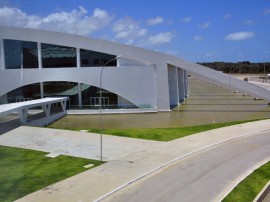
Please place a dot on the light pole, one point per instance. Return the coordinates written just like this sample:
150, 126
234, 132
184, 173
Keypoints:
21, 69
100, 102
264, 68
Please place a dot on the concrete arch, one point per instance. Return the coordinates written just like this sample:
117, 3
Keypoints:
114, 79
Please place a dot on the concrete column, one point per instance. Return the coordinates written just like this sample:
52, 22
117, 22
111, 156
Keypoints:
80, 94
39, 55
173, 86
41, 90
47, 109
23, 115
2, 55
162, 87
186, 83
64, 105
177, 86
181, 84
78, 58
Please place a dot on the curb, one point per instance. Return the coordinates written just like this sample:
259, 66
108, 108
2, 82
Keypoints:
173, 161
261, 196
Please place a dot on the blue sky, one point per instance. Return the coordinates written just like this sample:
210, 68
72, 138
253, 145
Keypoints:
198, 31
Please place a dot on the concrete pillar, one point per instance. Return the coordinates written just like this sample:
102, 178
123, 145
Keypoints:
181, 84
64, 105
23, 115
80, 94
39, 55
41, 90
177, 86
173, 85
78, 57
2, 55
47, 109
162, 87
186, 83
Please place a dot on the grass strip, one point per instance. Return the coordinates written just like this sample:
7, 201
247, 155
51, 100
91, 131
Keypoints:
250, 187
24, 171
164, 134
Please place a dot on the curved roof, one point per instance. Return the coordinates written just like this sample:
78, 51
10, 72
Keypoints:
135, 53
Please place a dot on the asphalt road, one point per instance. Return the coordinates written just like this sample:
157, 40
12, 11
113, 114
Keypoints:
205, 176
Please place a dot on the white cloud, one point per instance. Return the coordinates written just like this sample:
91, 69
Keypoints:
14, 17
155, 21
249, 22
198, 38
128, 29
227, 16
186, 19
208, 54
76, 21
267, 11
237, 36
205, 25
161, 38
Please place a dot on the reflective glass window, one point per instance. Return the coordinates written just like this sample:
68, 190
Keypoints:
95, 59
20, 54
58, 56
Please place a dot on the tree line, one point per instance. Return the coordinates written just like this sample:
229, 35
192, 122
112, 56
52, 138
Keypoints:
244, 67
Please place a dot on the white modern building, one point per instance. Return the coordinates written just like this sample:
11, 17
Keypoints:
37, 64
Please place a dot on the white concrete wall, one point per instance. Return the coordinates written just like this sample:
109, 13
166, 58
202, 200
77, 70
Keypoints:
136, 84
3, 99
129, 62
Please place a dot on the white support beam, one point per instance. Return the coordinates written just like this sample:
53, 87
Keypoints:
47, 109
23, 115
64, 105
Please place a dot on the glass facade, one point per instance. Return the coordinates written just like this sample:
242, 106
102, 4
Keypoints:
95, 59
25, 54
54, 56
18, 53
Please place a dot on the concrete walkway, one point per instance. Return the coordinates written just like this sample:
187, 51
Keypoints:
96, 183
73, 143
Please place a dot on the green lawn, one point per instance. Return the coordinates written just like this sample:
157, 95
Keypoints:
158, 134
163, 134
25, 171
250, 187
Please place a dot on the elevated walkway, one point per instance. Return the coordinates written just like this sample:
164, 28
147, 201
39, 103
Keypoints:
46, 103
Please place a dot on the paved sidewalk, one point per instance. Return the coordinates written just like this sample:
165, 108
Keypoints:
73, 143
93, 184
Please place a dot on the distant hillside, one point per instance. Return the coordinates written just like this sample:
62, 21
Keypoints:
240, 67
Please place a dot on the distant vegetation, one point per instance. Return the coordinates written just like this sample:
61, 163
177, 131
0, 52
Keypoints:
244, 67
